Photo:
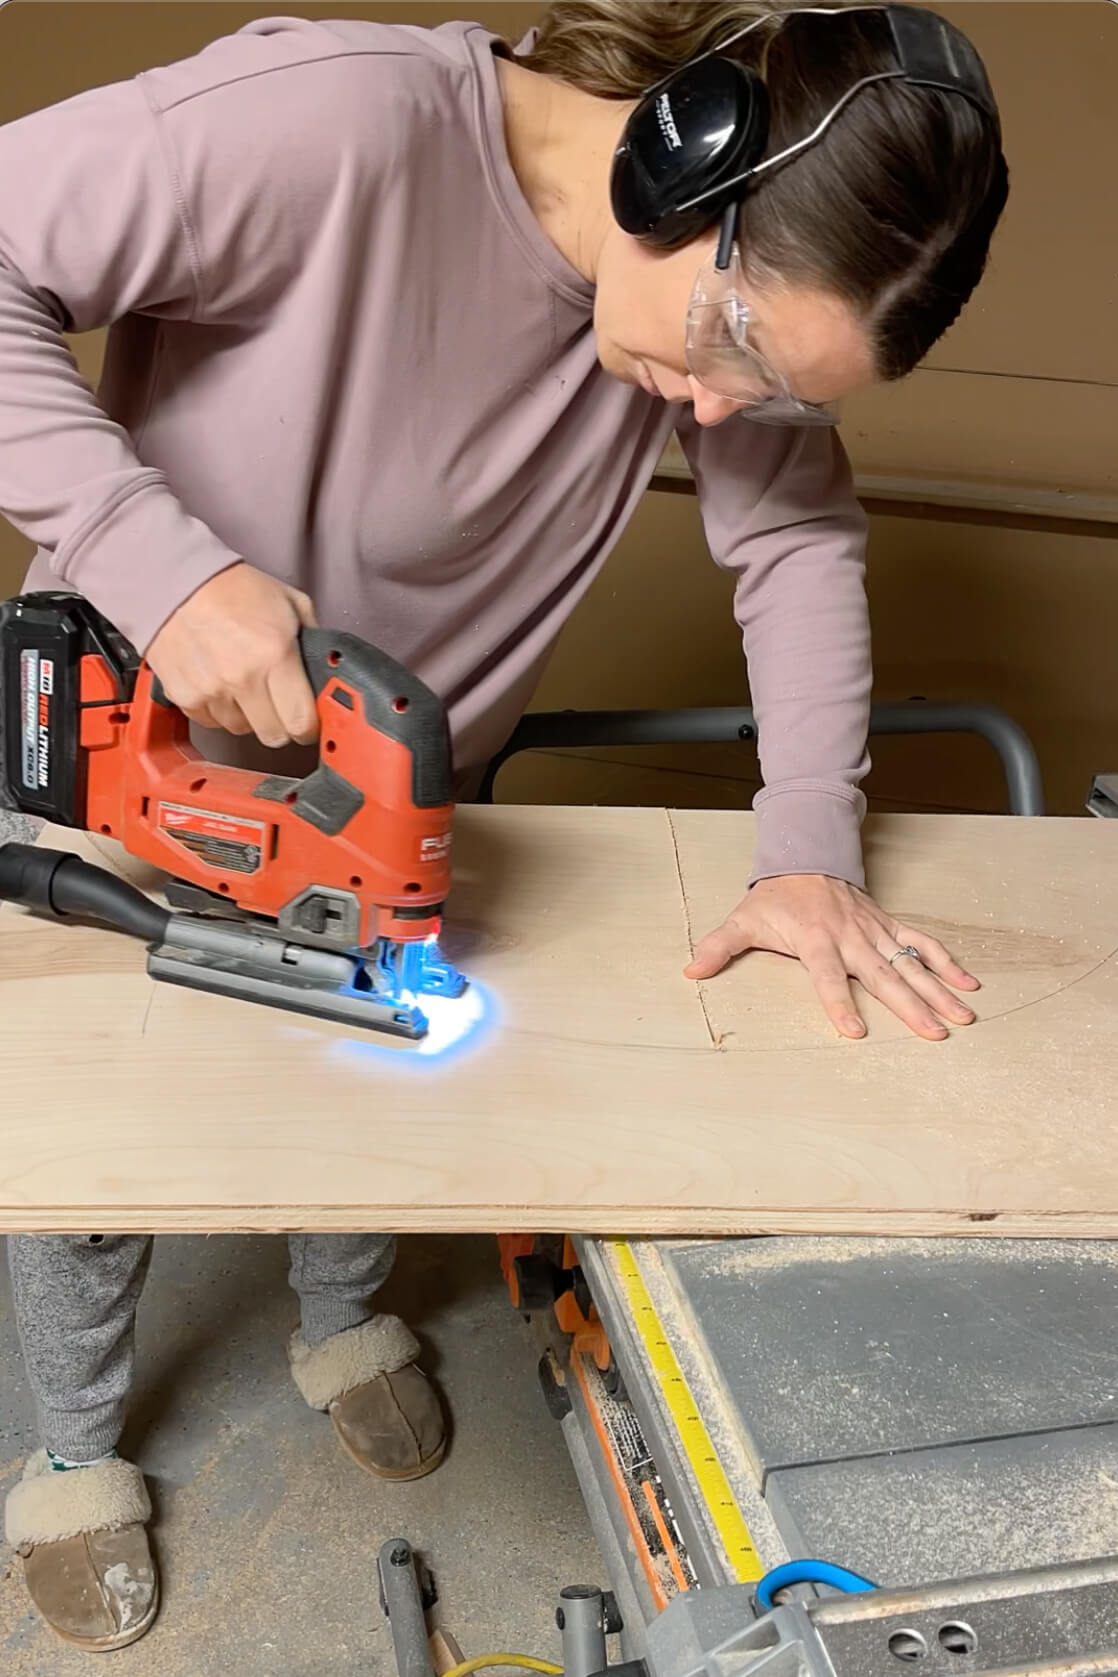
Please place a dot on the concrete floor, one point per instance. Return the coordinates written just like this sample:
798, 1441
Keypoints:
266, 1534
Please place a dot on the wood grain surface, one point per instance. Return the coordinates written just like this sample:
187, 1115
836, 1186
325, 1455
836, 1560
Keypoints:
601, 1091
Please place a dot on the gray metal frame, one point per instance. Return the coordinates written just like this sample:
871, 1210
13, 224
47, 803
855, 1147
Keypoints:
401, 1598
1104, 796
1048, 1622
564, 729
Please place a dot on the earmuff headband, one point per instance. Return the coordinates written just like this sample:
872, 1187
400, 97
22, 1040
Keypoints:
699, 135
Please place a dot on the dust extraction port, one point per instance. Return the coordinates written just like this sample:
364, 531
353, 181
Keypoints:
957, 1638
908, 1646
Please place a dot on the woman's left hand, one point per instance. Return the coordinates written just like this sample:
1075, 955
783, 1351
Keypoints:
839, 933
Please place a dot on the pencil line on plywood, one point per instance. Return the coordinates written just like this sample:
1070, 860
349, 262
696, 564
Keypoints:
828, 1039
1060, 989
715, 1037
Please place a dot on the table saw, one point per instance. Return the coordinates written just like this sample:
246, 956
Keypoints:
937, 1417
940, 1417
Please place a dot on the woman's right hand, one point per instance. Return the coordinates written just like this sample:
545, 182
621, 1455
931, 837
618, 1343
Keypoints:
229, 657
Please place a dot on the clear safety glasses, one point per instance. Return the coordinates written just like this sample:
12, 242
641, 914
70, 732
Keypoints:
721, 358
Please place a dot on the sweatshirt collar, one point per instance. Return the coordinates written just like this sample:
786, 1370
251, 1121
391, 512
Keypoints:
482, 47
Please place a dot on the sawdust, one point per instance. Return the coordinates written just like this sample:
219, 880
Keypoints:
1072, 1507
739, 1259
972, 1510
820, 1406
841, 1389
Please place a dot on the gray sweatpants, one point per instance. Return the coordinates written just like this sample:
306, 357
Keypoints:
76, 1296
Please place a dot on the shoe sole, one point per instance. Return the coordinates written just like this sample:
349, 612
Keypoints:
403, 1477
109, 1644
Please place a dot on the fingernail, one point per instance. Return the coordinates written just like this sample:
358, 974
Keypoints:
854, 1027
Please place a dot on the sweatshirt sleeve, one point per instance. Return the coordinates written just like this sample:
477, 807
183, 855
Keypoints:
779, 510
91, 229
195, 192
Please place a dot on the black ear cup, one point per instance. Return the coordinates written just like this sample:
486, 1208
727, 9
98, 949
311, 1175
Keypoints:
707, 123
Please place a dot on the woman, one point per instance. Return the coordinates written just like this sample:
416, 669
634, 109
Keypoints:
398, 341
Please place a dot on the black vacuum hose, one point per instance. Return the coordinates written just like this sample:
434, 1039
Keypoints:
58, 883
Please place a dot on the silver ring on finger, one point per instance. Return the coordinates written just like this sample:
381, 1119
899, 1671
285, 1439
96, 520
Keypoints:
907, 950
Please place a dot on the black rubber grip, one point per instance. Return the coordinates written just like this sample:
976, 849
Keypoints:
58, 883
397, 704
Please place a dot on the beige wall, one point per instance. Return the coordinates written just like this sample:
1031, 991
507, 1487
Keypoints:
1023, 392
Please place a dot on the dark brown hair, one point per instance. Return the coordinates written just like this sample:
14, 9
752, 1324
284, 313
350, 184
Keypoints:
893, 210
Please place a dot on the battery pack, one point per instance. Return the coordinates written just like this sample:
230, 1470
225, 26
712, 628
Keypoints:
43, 639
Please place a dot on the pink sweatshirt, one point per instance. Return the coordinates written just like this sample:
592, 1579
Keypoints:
343, 349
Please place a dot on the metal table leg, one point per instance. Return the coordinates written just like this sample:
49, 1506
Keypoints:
402, 1599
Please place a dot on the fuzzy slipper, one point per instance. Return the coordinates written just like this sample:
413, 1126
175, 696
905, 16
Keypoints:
86, 1559
385, 1411
349, 1359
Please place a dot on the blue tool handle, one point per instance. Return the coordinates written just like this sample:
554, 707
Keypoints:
810, 1572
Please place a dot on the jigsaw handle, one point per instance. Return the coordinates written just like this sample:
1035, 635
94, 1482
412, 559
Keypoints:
344, 670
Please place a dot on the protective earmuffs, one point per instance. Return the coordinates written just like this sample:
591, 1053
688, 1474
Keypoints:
696, 137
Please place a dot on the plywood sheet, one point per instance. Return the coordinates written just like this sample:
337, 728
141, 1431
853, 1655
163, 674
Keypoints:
602, 1091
